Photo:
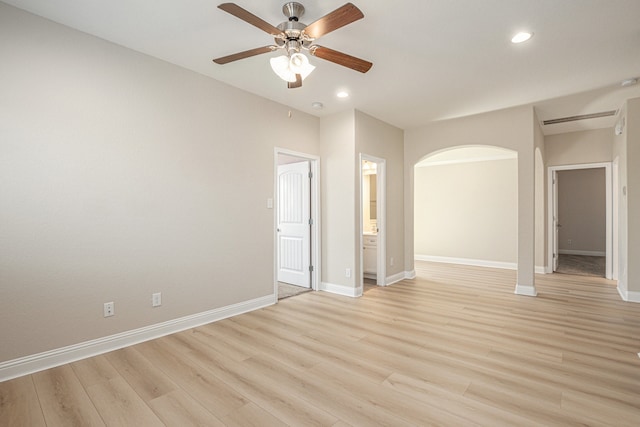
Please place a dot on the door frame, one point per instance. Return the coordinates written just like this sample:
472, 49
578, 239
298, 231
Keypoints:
381, 220
554, 221
314, 195
615, 180
610, 250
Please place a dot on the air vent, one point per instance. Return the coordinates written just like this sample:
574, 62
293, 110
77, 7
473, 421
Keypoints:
580, 117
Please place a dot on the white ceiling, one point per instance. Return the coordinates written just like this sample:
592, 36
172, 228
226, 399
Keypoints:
433, 59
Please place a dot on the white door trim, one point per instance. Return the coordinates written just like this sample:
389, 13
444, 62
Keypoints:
314, 163
554, 219
615, 200
381, 196
610, 249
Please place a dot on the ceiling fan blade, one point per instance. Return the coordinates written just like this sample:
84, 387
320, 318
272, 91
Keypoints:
250, 18
297, 83
245, 54
341, 58
337, 19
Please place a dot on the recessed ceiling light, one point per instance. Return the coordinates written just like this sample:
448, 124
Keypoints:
317, 105
342, 94
521, 37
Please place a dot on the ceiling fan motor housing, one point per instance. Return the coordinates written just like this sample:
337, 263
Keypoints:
292, 27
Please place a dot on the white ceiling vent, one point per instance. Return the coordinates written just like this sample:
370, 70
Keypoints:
580, 117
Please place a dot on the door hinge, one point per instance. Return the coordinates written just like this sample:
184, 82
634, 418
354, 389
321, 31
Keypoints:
311, 268
310, 221
310, 175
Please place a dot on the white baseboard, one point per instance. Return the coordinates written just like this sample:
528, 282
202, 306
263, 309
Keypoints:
346, 291
60, 356
633, 296
390, 280
528, 290
476, 262
468, 261
576, 252
629, 296
410, 274
541, 269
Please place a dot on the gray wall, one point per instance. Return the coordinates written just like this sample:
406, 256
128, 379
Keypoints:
630, 200
379, 139
589, 146
337, 135
343, 136
513, 129
122, 175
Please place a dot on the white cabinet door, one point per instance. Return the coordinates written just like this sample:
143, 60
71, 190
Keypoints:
294, 230
370, 255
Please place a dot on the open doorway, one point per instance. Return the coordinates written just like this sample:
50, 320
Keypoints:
466, 207
580, 218
297, 244
372, 222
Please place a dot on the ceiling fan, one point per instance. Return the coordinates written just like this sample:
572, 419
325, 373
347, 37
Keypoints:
294, 37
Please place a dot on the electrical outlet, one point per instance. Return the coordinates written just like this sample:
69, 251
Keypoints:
568, 241
109, 309
156, 299
347, 272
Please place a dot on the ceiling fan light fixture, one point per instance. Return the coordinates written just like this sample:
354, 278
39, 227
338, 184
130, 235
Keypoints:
280, 66
286, 68
299, 63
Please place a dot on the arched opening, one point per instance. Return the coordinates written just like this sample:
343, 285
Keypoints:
466, 206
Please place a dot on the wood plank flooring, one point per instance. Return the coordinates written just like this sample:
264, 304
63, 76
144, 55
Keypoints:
453, 347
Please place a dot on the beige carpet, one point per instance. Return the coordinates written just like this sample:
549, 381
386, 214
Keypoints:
286, 290
581, 265
369, 284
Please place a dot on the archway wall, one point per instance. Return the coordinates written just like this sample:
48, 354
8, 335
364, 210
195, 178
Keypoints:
512, 128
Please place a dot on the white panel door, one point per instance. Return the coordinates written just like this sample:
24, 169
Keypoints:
294, 230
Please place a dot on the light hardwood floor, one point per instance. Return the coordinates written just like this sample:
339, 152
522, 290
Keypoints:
453, 347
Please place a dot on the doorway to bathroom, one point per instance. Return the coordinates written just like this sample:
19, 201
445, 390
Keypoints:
372, 222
